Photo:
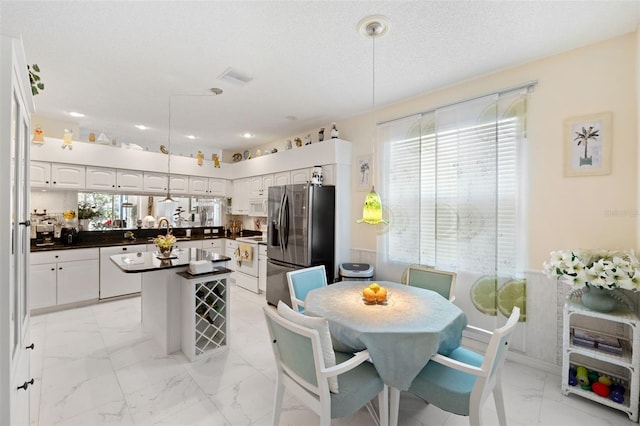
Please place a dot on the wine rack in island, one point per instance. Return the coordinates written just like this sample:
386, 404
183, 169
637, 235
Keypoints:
601, 356
205, 309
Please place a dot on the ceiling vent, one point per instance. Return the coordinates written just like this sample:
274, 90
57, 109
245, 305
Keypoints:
235, 77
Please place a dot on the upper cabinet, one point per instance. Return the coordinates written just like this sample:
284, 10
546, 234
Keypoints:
67, 176
155, 182
100, 179
40, 174
282, 178
241, 191
130, 180
179, 184
300, 175
260, 186
209, 186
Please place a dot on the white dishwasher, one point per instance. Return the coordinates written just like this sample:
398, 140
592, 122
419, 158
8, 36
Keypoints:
114, 282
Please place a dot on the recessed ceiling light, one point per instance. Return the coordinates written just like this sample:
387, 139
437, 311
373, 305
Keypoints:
235, 77
216, 91
141, 127
76, 114
247, 135
190, 136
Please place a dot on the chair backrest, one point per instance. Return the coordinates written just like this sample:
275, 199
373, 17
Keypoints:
297, 352
301, 281
495, 355
442, 282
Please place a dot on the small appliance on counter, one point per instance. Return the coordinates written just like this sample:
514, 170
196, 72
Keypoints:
69, 236
44, 235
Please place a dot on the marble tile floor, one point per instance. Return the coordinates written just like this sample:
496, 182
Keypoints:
95, 366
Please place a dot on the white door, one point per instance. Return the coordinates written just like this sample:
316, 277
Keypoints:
300, 176
179, 184
67, 176
282, 178
198, 185
101, 179
40, 173
217, 187
78, 281
43, 285
155, 182
16, 106
130, 180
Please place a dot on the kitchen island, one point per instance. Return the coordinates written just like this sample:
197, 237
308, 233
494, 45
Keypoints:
162, 295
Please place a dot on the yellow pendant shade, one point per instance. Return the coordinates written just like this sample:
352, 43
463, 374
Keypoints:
372, 210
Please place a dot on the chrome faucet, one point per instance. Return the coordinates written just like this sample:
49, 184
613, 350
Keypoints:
165, 220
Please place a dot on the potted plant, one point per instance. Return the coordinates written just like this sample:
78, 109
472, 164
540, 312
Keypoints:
86, 212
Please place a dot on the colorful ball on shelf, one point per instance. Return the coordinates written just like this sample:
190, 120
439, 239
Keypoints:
593, 376
582, 375
605, 380
573, 381
616, 397
617, 387
600, 389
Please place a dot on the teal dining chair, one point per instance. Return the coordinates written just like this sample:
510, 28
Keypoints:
442, 282
301, 281
300, 353
461, 381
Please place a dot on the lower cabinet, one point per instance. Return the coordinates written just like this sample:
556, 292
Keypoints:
205, 303
64, 276
114, 282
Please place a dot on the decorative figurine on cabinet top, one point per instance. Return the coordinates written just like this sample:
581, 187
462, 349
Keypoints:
200, 156
307, 139
298, 142
288, 146
216, 160
38, 135
67, 139
321, 134
334, 131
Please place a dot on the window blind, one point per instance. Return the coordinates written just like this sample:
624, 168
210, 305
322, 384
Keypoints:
451, 182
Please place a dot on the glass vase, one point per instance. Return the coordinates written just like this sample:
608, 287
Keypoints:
165, 251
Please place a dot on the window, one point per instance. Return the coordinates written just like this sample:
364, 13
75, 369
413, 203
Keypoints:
452, 181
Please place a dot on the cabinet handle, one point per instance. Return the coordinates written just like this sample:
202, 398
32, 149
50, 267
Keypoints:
46, 181
53, 269
124, 249
25, 223
26, 385
54, 182
56, 256
60, 268
31, 346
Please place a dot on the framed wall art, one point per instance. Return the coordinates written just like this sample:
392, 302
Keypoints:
364, 168
587, 145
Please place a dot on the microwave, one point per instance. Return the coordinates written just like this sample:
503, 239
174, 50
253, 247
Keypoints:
258, 207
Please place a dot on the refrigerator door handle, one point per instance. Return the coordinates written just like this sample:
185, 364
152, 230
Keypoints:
280, 223
285, 234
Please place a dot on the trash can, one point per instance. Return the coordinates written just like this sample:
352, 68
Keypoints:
356, 272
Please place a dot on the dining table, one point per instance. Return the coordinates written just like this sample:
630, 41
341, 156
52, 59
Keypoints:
401, 333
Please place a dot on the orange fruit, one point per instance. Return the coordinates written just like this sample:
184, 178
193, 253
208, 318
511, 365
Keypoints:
369, 295
375, 287
381, 295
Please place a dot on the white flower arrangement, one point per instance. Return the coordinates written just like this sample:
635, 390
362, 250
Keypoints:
608, 269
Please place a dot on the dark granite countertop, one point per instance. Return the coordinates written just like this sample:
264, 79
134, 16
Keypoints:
97, 239
148, 261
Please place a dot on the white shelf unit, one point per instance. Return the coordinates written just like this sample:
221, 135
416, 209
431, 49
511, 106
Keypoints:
205, 313
621, 368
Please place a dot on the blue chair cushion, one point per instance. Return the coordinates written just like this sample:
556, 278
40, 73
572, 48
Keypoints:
445, 387
357, 387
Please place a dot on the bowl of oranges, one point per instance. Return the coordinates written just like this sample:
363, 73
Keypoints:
374, 294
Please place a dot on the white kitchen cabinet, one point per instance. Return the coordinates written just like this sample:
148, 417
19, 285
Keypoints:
260, 186
215, 245
262, 268
76, 276
584, 333
230, 247
67, 176
100, 179
44, 291
328, 174
199, 185
241, 191
114, 282
301, 175
179, 184
155, 182
205, 327
282, 178
130, 180
40, 174
187, 245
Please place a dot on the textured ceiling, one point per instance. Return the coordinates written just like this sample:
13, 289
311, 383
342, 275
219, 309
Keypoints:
119, 62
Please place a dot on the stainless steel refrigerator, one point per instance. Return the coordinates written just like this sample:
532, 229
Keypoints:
301, 227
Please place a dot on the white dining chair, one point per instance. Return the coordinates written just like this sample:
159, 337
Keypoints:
301, 281
442, 282
300, 355
461, 381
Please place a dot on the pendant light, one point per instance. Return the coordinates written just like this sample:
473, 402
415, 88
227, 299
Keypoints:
373, 27
168, 198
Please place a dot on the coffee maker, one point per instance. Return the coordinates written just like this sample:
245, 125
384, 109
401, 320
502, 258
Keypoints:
44, 235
